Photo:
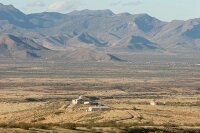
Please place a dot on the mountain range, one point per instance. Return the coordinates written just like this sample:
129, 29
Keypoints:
91, 35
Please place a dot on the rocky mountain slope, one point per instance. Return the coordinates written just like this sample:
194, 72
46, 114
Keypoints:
100, 31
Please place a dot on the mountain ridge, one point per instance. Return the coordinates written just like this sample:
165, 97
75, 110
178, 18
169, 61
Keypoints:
98, 30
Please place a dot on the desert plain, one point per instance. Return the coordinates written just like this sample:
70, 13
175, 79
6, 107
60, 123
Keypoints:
36, 96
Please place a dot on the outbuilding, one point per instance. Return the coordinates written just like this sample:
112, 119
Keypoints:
98, 108
78, 101
153, 103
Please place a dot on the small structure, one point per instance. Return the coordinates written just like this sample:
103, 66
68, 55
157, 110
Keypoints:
78, 101
98, 108
153, 103
86, 102
80, 97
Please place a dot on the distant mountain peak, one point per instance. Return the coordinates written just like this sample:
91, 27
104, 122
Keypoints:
147, 23
7, 7
13, 16
106, 12
100, 30
124, 14
143, 15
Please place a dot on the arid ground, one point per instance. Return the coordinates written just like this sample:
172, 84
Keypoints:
35, 96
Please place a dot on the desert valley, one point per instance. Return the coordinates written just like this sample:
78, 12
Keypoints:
97, 71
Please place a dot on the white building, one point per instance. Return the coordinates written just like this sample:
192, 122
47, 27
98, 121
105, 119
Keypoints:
78, 101
86, 102
153, 103
98, 108
80, 97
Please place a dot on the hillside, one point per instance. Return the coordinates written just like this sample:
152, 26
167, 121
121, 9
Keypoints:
13, 46
99, 30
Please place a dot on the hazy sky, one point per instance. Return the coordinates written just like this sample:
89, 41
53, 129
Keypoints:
163, 9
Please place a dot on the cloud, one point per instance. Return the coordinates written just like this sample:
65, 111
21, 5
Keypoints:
122, 3
64, 5
116, 3
133, 3
36, 4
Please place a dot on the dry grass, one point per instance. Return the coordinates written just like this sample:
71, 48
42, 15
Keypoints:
39, 97
178, 108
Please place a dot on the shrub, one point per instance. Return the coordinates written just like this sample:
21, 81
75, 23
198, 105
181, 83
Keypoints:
71, 126
31, 100
25, 126
58, 112
168, 125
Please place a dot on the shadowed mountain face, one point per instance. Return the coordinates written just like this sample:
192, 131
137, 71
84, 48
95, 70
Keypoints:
140, 43
147, 23
135, 43
11, 46
86, 38
99, 31
11, 42
14, 16
194, 32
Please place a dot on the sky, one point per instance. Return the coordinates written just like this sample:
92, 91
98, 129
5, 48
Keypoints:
165, 10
